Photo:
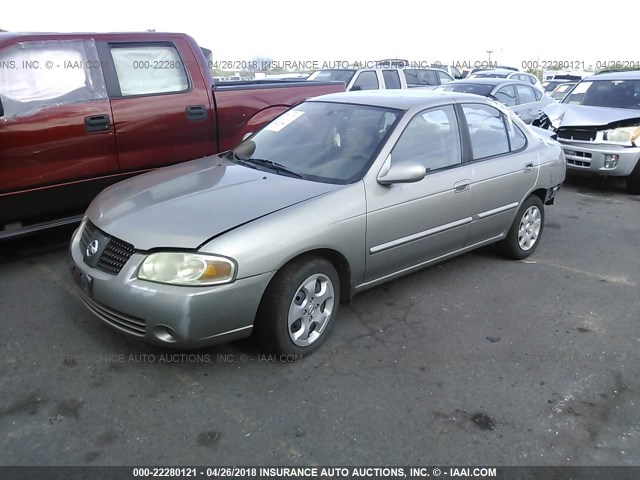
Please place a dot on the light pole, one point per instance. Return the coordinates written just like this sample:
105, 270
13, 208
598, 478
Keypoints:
489, 52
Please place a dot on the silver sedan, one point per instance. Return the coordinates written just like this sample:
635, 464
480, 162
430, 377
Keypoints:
523, 99
335, 196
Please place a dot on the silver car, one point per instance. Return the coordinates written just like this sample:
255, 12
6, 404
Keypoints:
507, 74
598, 125
523, 99
337, 195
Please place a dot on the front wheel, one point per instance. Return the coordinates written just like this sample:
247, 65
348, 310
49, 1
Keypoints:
298, 307
633, 180
525, 232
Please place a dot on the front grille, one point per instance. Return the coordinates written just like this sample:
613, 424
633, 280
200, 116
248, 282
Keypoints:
577, 158
578, 163
87, 232
125, 323
115, 254
576, 134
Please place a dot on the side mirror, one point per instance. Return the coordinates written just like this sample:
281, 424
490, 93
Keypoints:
245, 149
403, 172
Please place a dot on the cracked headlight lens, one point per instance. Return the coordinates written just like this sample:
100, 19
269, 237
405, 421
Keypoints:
622, 135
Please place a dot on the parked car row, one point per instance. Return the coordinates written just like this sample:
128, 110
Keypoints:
293, 201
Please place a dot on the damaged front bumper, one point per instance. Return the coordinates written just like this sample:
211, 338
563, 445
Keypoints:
601, 159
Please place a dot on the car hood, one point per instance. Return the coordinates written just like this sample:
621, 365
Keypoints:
185, 205
568, 115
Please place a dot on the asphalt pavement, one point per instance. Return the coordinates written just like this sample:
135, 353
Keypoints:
478, 360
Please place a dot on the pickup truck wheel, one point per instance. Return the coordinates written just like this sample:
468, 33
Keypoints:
633, 180
298, 307
525, 232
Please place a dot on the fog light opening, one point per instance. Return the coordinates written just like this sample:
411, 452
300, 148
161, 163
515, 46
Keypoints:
164, 333
611, 160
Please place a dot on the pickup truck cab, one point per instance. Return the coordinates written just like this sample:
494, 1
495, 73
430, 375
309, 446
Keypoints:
79, 112
383, 78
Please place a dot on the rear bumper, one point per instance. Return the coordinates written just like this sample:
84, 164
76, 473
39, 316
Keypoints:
551, 194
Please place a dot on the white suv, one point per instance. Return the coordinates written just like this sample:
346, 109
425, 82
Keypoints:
383, 78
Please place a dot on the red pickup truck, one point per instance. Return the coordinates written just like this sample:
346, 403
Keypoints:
79, 112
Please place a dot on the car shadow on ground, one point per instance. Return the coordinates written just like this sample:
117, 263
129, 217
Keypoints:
595, 184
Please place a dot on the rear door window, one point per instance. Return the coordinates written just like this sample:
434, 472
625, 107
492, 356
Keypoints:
525, 94
444, 77
149, 69
487, 130
507, 96
391, 79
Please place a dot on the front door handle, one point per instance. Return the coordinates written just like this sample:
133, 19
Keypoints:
461, 186
97, 123
196, 113
528, 167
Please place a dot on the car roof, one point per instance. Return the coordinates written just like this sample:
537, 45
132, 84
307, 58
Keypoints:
398, 99
353, 69
501, 71
488, 81
622, 75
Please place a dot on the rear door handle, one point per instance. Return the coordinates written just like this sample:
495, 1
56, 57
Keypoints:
196, 113
528, 167
97, 123
461, 186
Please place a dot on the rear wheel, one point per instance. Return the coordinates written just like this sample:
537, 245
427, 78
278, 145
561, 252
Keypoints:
526, 230
633, 180
298, 307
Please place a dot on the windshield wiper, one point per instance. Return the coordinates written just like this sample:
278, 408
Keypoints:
267, 164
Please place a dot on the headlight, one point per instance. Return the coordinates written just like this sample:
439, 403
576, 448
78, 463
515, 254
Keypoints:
179, 268
622, 135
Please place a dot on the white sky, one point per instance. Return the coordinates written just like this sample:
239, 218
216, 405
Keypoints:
451, 31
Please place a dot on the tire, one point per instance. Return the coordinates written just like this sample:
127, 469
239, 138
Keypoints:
633, 180
288, 322
526, 231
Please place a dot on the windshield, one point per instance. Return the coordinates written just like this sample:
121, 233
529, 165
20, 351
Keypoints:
549, 86
332, 75
606, 93
477, 88
490, 75
560, 92
321, 141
